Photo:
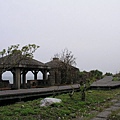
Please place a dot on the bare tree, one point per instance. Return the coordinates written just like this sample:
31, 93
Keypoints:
68, 60
66, 65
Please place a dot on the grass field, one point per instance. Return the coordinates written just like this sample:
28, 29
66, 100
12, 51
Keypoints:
69, 108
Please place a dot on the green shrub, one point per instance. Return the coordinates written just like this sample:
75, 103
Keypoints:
27, 111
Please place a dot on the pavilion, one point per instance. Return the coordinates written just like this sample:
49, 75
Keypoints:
19, 65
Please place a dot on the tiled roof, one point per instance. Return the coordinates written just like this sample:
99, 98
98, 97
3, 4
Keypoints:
56, 63
19, 60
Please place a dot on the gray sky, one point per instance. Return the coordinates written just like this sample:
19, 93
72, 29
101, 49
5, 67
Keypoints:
88, 28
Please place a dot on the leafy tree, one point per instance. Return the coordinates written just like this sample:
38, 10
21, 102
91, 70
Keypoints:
84, 84
18, 54
108, 74
26, 50
86, 79
96, 74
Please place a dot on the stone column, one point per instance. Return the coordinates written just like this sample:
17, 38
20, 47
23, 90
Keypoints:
24, 78
13, 72
35, 74
1, 75
44, 75
17, 78
52, 77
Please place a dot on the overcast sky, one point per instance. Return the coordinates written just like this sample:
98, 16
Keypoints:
88, 28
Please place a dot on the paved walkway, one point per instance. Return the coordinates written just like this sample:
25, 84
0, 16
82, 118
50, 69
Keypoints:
105, 113
106, 82
26, 93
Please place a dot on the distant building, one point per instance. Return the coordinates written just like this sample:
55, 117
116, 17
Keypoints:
61, 73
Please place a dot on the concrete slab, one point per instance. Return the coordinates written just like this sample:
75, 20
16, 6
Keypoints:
104, 114
117, 104
106, 82
99, 118
113, 108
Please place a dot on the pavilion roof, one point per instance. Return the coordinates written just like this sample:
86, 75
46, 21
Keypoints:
56, 63
18, 60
